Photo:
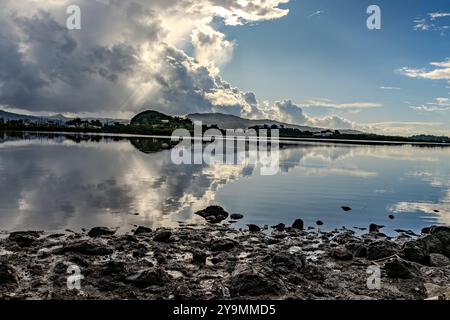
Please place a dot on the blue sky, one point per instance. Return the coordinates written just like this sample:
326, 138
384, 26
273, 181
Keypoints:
333, 55
308, 62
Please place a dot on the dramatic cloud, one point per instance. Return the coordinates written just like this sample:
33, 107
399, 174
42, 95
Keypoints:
128, 55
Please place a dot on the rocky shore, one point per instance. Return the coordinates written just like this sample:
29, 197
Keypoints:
216, 261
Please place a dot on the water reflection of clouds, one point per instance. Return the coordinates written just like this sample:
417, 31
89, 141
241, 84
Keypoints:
59, 183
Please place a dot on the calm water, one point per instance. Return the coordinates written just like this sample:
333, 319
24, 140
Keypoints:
57, 182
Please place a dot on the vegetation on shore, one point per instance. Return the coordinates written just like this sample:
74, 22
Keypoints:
156, 123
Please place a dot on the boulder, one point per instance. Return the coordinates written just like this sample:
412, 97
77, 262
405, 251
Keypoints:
375, 228
439, 260
162, 236
236, 216
223, 245
199, 257
279, 227
346, 208
298, 224
213, 214
256, 284
288, 261
85, 248
142, 230
341, 254
381, 249
253, 228
100, 231
148, 277
415, 251
24, 238
401, 269
8, 275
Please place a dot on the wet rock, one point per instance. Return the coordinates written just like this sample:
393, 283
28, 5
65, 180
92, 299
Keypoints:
381, 249
319, 223
113, 268
415, 251
24, 238
341, 254
439, 260
8, 275
256, 284
85, 248
162, 236
346, 208
223, 245
288, 261
199, 257
391, 216
100, 231
375, 228
408, 232
253, 228
443, 234
279, 227
142, 230
396, 268
148, 277
298, 224
213, 214
236, 216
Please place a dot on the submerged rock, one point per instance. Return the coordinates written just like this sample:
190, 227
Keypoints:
213, 214
346, 208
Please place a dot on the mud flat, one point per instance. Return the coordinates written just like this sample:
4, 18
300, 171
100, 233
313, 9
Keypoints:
216, 261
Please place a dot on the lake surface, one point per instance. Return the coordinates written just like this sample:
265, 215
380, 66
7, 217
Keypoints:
55, 182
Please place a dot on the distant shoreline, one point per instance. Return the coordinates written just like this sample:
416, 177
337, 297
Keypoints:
281, 140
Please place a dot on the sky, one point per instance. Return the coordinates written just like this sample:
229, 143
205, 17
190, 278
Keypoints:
300, 61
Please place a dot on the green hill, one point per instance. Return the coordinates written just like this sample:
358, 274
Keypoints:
153, 118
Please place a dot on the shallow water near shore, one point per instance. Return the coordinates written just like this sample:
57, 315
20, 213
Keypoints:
55, 182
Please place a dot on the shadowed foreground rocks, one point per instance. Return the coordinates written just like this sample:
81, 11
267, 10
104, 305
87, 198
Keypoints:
214, 261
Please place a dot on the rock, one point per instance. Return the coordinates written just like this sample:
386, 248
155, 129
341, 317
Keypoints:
319, 223
408, 232
199, 257
426, 230
236, 216
381, 249
8, 275
256, 284
415, 251
85, 248
24, 238
443, 234
401, 269
391, 216
148, 277
279, 227
375, 228
162, 236
298, 224
223, 245
100, 231
341, 254
346, 209
253, 228
439, 260
213, 214
113, 268
142, 230
288, 261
